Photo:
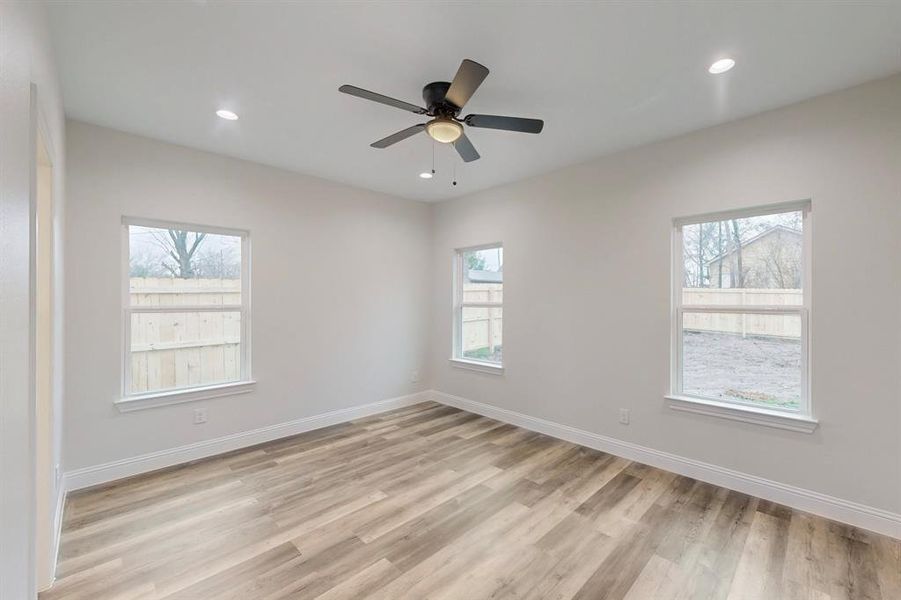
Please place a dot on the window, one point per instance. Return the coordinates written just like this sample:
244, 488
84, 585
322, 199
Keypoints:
741, 309
478, 305
186, 308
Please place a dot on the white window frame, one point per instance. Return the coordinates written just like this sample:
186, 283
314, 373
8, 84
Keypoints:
129, 401
457, 358
801, 420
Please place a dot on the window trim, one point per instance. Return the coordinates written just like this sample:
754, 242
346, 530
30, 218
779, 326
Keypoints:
457, 359
796, 420
477, 365
181, 395
129, 401
747, 414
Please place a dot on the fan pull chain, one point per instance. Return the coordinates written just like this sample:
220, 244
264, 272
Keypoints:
455, 172
433, 156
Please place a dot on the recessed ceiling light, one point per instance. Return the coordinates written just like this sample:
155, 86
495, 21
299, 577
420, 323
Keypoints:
227, 115
721, 66
425, 175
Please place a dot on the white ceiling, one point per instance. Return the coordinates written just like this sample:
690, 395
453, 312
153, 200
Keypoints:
604, 76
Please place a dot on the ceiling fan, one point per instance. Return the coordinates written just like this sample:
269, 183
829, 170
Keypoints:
445, 100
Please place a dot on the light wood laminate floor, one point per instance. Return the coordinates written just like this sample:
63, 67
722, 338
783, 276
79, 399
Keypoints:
432, 502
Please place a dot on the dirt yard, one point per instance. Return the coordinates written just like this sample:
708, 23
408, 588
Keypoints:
753, 369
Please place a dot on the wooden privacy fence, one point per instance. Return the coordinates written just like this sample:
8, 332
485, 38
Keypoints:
190, 348
168, 291
482, 327
170, 350
787, 326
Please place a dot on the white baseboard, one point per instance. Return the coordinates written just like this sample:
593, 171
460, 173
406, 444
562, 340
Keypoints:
845, 511
852, 513
119, 469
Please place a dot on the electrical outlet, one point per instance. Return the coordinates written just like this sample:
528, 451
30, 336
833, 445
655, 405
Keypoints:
414, 377
199, 416
624, 416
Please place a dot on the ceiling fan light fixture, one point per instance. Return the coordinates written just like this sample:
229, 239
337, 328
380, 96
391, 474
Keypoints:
446, 131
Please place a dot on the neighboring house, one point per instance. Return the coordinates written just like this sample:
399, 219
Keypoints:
478, 276
769, 260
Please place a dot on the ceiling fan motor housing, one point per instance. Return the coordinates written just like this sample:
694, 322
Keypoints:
434, 97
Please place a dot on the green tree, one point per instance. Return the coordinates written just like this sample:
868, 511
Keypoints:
475, 262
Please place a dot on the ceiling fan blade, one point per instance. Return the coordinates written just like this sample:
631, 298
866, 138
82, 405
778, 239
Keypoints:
399, 136
505, 123
465, 149
469, 77
367, 95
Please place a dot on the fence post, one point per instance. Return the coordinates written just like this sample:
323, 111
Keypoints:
744, 322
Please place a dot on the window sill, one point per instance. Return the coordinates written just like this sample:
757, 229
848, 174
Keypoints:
167, 398
474, 365
746, 414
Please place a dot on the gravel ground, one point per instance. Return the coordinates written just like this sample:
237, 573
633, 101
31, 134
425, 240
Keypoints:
756, 369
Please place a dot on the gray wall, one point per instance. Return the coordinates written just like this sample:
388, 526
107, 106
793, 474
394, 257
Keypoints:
587, 289
328, 333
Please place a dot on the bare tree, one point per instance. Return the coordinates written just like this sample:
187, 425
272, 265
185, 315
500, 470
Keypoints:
700, 247
181, 248
221, 263
701, 255
719, 253
781, 262
690, 253
716, 253
737, 273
